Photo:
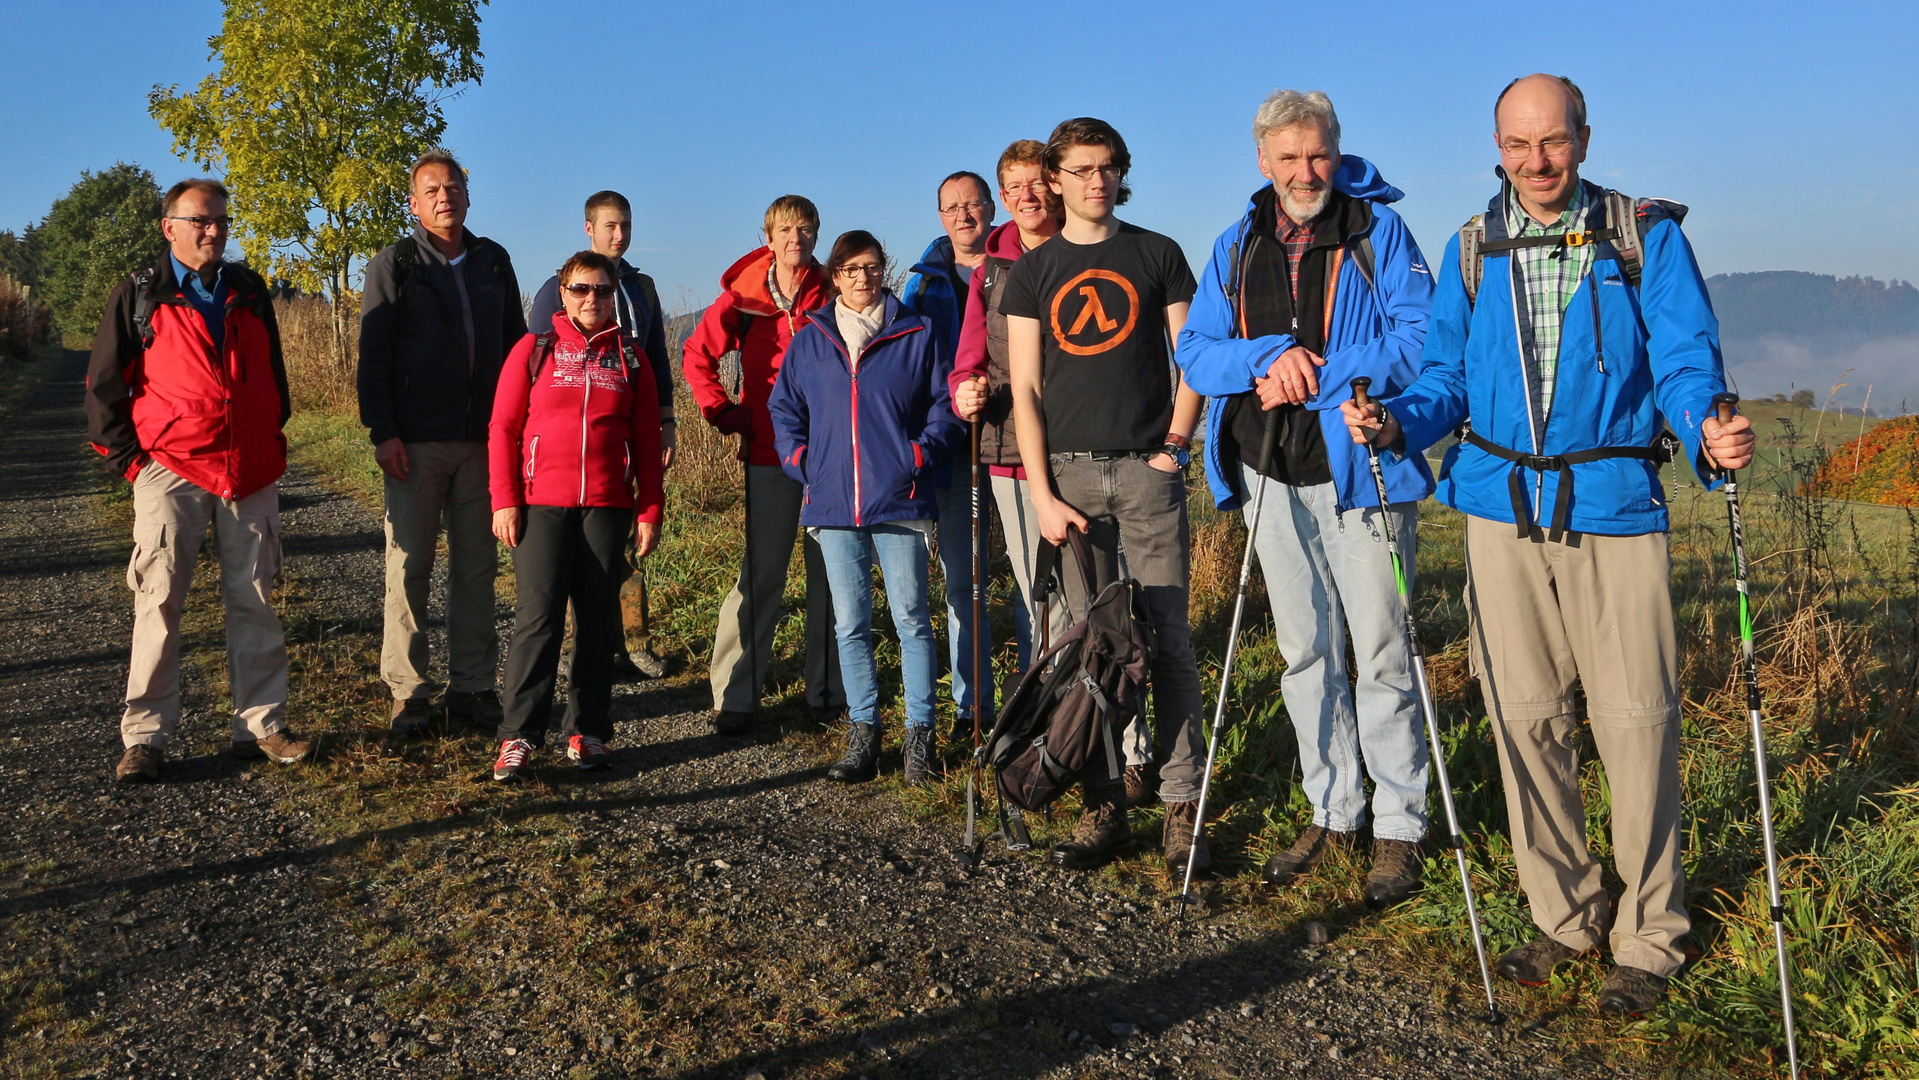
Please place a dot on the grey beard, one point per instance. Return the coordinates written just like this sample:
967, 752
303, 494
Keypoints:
1300, 212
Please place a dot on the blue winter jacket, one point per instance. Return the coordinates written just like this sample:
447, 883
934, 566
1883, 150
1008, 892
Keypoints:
1661, 367
931, 291
1377, 330
864, 444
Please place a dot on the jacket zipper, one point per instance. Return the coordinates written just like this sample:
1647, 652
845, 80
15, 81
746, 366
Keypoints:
532, 455
855, 377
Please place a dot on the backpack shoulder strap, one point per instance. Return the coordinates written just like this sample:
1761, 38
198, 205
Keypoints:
1232, 276
1363, 260
143, 306
1642, 214
631, 354
1472, 264
535, 360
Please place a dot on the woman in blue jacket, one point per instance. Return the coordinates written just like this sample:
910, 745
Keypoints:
861, 419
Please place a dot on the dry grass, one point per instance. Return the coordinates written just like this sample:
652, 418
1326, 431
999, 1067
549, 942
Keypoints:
24, 321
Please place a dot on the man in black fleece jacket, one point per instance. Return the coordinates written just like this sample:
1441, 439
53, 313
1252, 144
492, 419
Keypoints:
440, 311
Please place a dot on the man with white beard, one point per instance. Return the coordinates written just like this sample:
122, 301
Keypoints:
1318, 284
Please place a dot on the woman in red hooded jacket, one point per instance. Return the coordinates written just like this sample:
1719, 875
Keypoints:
574, 455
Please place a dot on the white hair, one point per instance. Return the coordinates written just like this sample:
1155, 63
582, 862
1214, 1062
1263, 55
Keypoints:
1285, 108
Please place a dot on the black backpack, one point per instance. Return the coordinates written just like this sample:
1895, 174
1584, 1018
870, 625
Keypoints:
1081, 693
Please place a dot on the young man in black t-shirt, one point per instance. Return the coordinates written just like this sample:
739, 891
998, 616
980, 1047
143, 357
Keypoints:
1090, 317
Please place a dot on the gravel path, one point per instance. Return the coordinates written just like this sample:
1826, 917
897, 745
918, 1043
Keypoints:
759, 922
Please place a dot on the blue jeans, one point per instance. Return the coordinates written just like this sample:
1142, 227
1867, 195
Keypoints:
902, 553
1330, 574
956, 566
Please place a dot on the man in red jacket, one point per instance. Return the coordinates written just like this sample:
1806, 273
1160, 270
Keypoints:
186, 396
763, 300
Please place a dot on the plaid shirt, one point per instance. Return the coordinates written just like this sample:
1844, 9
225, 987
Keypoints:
1295, 238
1551, 276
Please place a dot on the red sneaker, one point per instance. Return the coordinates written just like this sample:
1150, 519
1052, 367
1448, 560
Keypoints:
515, 761
587, 752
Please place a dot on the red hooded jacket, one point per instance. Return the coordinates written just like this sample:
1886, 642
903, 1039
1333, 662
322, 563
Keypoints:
578, 432
744, 296
211, 418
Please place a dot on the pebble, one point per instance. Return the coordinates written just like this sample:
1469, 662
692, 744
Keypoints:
1248, 1011
1317, 933
1123, 1030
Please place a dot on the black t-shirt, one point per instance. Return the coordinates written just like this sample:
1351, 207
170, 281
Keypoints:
1102, 314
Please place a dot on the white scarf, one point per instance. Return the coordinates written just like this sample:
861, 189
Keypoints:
858, 327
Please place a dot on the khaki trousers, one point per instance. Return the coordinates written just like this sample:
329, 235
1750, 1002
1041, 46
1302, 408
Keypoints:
1596, 611
446, 484
170, 522
772, 523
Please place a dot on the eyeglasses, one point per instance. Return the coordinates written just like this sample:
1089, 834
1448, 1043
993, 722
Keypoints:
1036, 188
955, 210
858, 270
1519, 148
1085, 172
204, 223
581, 290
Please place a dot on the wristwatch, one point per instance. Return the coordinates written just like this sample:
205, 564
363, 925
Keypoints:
1178, 448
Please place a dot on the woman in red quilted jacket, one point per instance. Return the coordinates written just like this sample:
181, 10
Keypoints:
574, 455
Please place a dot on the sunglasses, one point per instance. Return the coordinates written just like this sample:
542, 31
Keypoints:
582, 290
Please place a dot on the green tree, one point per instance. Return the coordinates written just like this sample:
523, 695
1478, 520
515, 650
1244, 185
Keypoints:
105, 228
313, 113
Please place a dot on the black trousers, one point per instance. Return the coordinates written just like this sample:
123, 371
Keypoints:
565, 553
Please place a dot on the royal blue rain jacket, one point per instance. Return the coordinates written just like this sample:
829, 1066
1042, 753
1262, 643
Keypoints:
1377, 330
1662, 367
864, 441
932, 291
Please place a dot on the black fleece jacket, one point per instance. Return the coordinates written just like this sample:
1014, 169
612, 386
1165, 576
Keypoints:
430, 350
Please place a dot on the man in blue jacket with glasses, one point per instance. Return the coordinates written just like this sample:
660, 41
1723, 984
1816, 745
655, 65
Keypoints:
1570, 328
1317, 284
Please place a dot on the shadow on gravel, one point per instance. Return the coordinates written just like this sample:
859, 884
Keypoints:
1109, 1011
267, 861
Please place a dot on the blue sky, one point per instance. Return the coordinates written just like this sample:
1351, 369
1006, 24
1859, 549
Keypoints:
1787, 128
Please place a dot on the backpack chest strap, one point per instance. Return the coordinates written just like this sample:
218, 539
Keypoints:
1659, 453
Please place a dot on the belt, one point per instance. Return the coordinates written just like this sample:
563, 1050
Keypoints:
1107, 455
1660, 452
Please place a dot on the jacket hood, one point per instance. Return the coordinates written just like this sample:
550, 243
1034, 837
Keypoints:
1358, 178
746, 279
1004, 243
937, 258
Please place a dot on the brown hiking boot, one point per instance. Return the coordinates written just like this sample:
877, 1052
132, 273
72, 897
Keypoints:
476, 709
1176, 840
1102, 832
1306, 853
1142, 785
410, 718
1397, 869
282, 748
731, 722
139, 765
1532, 964
1631, 991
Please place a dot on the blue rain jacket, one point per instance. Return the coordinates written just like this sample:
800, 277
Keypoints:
1377, 331
1662, 368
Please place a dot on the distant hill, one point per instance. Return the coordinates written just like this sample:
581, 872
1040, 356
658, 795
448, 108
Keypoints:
1785, 328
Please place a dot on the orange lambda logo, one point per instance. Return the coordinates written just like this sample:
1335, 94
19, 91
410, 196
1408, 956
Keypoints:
1100, 294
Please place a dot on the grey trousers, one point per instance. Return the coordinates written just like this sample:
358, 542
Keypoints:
773, 521
1131, 505
445, 485
171, 518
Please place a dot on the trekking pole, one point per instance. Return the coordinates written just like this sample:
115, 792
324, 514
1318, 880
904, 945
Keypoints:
972, 777
746, 529
1266, 441
1454, 838
1723, 404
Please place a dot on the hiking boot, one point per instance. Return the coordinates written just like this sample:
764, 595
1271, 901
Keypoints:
1532, 964
515, 761
410, 718
918, 753
282, 748
478, 709
1397, 869
649, 664
624, 669
1631, 991
1102, 832
1142, 785
1306, 853
861, 762
730, 722
139, 765
1176, 840
588, 753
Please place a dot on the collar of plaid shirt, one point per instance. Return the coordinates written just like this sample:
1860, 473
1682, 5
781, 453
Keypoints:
1550, 275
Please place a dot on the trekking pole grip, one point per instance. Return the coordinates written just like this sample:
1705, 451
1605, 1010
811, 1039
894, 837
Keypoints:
1360, 397
1723, 404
